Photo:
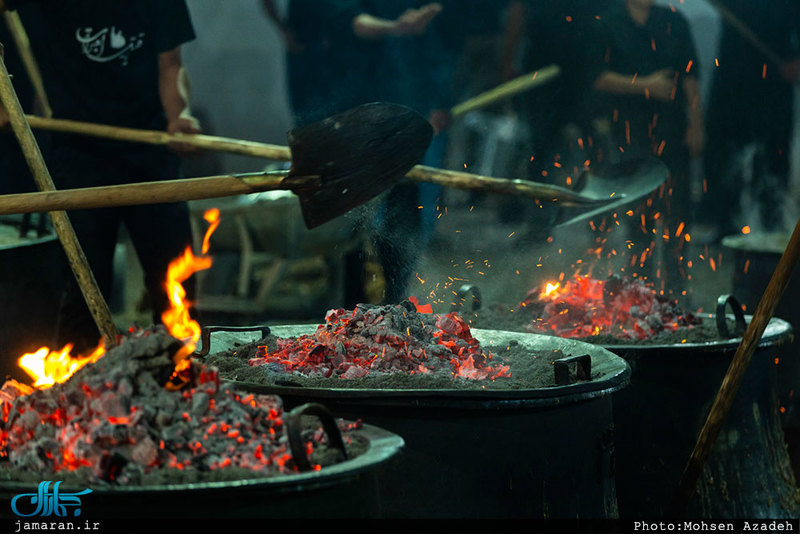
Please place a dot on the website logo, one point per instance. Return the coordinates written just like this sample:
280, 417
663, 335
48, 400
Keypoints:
48, 502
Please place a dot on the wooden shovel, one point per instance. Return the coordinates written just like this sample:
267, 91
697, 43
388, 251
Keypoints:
338, 164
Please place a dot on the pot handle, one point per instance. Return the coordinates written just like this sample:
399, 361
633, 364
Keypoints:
583, 369
722, 322
293, 423
205, 335
461, 298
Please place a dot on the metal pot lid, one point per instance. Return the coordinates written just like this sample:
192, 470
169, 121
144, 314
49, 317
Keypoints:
760, 243
778, 332
609, 373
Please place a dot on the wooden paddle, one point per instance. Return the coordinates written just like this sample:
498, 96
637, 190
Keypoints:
338, 164
733, 378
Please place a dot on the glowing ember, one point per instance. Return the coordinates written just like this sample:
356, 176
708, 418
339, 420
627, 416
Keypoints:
622, 308
375, 340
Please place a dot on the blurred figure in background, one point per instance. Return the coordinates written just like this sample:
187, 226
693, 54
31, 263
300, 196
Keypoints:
752, 105
343, 53
326, 46
646, 75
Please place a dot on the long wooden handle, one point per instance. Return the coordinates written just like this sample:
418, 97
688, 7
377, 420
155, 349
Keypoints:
733, 378
519, 85
20, 36
503, 186
445, 178
154, 137
747, 34
142, 193
77, 259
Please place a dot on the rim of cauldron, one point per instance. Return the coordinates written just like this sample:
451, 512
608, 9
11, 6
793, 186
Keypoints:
777, 333
383, 446
614, 374
29, 242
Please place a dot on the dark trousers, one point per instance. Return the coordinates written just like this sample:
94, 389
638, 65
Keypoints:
159, 232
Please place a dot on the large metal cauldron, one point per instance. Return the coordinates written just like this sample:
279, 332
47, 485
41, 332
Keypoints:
309, 495
756, 257
30, 288
658, 419
545, 452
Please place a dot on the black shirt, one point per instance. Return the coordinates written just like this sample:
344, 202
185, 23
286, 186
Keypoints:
622, 46
104, 57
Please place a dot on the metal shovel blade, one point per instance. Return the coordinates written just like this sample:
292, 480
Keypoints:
357, 155
622, 185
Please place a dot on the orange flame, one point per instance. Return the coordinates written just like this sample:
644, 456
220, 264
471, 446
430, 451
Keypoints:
551, 290
212, 218
177, 319
48, 367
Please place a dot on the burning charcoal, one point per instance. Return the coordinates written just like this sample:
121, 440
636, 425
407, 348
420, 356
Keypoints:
110, 404
200, 403
620, 307
655, 322
612, 287
145, 453
110, 466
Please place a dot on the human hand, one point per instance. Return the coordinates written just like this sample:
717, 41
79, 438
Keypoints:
416, 21
184, 124
660, 85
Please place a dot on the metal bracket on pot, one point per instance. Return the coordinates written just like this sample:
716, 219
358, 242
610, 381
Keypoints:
205, 335
461, 298
722, 317
561, 369
293, 423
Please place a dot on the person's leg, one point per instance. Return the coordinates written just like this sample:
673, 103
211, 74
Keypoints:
397, 239
96, 231
160, 233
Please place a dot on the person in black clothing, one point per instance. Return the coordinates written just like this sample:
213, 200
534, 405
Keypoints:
326, 42
646, 75
15, 177
344, 53
752, 103
118, 63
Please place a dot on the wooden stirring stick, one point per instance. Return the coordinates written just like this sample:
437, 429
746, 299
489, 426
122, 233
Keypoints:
733, 378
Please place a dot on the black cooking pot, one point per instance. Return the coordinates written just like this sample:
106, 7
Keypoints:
305, 495
658, 419
30, 289
534, 453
